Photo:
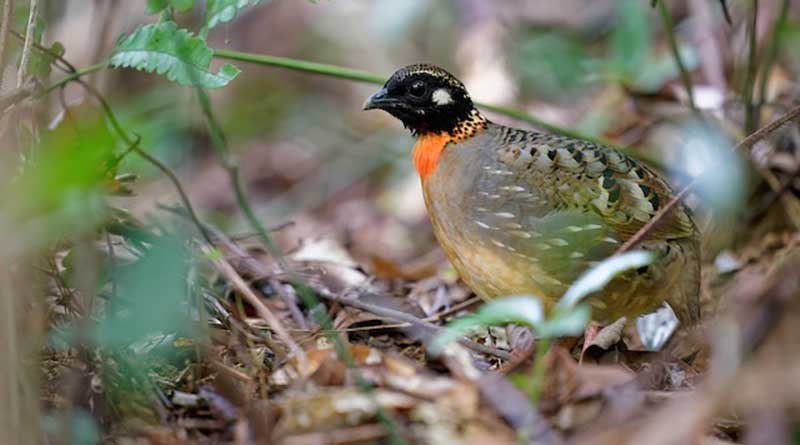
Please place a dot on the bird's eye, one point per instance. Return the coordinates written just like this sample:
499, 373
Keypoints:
417, 89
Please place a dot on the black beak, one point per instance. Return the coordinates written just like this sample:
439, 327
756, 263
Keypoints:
380, 100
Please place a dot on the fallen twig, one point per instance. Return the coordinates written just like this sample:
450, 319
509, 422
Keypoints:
225, 268
408, 318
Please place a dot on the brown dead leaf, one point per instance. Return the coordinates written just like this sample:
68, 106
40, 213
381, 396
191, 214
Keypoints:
607, 337
568, 382
387, 269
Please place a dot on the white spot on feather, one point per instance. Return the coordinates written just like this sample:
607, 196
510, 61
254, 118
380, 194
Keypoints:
442, 97
483, 224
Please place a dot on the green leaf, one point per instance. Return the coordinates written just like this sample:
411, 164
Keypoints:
61, 191
598, 276
527, 310
569, 318
165, 49
41, 64
571, 322
223, 11
182, 5
153, 295
156, 6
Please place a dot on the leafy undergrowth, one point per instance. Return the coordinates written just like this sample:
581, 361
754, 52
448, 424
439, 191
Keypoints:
168, 328
228, 377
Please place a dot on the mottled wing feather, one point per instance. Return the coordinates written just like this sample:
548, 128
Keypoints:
576, 174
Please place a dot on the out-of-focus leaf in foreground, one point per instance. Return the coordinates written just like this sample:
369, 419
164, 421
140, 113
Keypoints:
82, 428
152, 296
167, 50
598, 276
568, 318
705, 151
59, 191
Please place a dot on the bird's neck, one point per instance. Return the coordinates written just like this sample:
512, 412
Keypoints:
429, 146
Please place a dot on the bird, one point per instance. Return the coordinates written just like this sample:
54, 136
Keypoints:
523, 212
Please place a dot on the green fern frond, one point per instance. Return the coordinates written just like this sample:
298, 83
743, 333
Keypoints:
165, 49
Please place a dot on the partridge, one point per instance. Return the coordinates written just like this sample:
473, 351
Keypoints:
524, 212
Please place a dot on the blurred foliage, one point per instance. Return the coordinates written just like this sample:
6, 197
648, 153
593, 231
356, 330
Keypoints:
152, 295
156, 6
82, 427
703, 148
792, 39
65, 184
551, 63
558, 64
151, 291
569, 317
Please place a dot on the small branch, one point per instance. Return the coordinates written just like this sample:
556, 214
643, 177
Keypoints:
750, 117
676, 54
396, 315
264, 312
747, 142
22, 73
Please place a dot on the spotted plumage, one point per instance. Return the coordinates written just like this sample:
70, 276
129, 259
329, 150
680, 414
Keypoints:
523, 212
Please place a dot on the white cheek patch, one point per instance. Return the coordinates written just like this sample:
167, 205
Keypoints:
442, 97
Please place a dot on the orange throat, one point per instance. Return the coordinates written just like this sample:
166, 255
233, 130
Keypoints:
429, 147
427, 152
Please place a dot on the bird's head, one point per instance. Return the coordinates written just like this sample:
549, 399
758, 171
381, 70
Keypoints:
426, 98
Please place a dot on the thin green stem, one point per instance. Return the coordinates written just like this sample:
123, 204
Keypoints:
301, 65
666, 18
324, 69
539, 368
772, 52
168, 172
750, 120
364, 76
73, 77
